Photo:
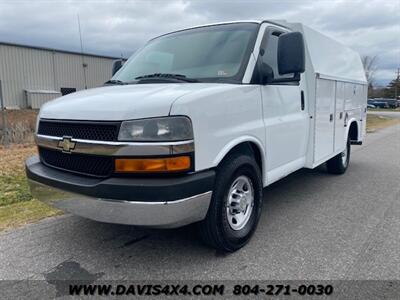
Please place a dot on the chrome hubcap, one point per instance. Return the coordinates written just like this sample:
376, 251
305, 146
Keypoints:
240, 202
344, 157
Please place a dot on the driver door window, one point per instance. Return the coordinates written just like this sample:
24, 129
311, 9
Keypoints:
269, 54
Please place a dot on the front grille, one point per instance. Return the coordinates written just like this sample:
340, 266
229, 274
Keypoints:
98, 131
99, 166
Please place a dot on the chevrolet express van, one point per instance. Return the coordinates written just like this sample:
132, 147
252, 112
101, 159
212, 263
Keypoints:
196, 123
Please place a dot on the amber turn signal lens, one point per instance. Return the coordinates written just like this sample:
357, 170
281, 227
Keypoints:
148, 165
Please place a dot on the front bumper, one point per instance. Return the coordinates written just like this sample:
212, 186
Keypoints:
154, 202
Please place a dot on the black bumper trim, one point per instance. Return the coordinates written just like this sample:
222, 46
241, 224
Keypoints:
129, 189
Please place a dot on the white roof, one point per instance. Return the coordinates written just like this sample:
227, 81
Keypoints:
329, 58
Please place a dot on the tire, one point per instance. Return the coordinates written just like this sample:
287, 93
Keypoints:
338, 165
218, 229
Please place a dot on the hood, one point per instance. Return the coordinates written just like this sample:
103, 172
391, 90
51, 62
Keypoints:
121, 102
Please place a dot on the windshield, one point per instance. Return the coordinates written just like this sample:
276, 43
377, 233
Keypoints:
217, 53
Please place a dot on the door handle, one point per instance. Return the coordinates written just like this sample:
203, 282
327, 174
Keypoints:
302, 100
340, 115
330, 117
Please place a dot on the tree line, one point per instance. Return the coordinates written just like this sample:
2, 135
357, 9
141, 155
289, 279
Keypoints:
392, 90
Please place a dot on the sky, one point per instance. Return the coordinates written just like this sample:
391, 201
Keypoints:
119, 27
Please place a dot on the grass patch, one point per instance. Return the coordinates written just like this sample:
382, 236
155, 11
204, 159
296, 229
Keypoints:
14, 189
376, 122
13, 185
397, 109
19, 214
17, 207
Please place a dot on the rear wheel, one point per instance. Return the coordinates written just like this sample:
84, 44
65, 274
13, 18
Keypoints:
340, 163
235, 206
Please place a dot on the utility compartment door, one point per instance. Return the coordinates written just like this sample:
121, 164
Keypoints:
339, 117
324, 119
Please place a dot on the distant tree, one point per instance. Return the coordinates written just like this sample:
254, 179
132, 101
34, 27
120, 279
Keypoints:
370, 66
393, 88
377, 92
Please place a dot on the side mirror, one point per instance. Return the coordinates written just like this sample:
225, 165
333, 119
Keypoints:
291, 53
117, 64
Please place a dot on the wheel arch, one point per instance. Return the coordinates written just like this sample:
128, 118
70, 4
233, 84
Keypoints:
248, 143
353, 129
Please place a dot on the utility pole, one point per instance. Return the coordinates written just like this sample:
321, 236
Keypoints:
84, 65
396, 83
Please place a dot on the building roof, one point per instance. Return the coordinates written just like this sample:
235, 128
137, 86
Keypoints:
57, 50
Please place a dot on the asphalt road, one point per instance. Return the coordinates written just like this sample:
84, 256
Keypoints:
314, 226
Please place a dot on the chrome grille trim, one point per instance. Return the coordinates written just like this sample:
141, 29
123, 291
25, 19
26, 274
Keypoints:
118, 148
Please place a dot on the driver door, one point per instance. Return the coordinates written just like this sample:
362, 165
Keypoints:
284, 112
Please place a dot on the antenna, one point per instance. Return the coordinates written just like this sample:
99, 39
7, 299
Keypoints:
84, 65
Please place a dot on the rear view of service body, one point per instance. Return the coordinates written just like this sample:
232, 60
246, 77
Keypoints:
196, 123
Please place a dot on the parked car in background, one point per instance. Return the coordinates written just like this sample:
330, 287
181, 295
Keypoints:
378, 103
392, 103
384, 102
371, 106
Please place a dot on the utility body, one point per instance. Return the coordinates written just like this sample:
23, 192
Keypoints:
196, 123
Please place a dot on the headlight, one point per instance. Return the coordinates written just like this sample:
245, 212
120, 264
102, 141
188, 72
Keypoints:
156, 130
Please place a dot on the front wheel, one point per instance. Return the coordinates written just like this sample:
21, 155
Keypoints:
235, 206
339, 163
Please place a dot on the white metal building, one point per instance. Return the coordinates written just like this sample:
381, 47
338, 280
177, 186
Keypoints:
31, 76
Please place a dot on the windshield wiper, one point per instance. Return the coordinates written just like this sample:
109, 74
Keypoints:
167, 76
114, 81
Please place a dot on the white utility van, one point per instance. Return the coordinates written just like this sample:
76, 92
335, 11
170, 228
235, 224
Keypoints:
194, 125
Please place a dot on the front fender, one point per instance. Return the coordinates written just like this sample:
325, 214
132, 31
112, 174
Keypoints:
232, 144
240, 140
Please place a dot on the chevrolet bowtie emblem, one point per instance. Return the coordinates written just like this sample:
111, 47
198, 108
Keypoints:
66, 144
